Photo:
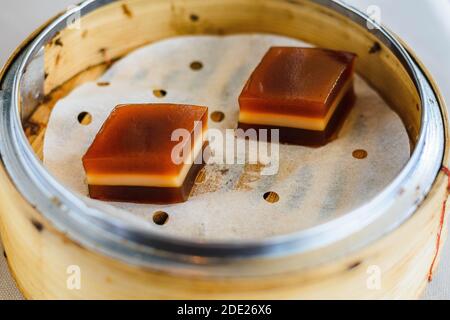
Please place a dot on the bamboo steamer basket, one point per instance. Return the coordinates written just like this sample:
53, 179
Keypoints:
46, 229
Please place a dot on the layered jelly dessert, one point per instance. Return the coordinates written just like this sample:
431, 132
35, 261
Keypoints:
147, 153
305, 93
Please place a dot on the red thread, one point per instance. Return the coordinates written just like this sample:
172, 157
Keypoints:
447, 172
441, 225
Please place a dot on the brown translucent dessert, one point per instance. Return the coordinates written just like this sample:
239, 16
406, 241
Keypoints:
133, 157
306, 93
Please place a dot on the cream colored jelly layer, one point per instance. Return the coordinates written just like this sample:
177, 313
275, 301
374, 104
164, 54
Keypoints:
151, 180
292, 121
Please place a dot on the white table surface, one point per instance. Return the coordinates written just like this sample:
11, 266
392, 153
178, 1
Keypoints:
423, 24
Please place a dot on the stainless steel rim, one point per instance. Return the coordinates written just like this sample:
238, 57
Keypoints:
118, 238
